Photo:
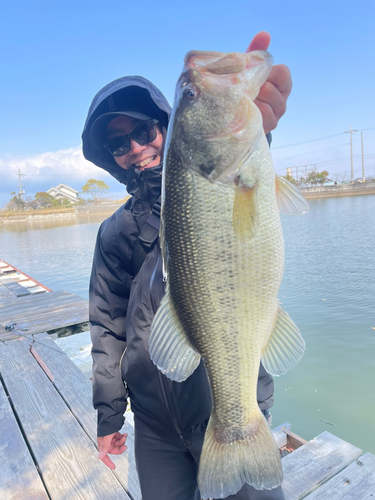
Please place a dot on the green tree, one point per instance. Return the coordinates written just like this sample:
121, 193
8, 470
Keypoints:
95, 188
45, 200
290, 179
322, 177
16, 203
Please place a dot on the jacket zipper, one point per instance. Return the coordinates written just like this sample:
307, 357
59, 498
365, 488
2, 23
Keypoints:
122, 355
171, 408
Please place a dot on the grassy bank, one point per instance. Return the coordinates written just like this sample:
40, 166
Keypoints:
16, 214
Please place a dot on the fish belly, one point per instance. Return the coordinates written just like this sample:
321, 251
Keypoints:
224, 290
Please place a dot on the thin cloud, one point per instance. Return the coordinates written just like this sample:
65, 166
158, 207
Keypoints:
66, 162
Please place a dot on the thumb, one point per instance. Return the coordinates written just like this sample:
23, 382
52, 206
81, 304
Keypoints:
261, 41
104, 444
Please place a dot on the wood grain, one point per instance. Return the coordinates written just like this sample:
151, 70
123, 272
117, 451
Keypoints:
76, 390
66, 456
19, 478
356, 482
314, 463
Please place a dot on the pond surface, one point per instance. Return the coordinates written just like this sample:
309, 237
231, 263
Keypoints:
328, 290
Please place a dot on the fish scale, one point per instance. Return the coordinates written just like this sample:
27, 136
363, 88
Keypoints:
223, 252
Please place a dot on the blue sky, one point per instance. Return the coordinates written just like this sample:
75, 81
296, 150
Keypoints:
57, 55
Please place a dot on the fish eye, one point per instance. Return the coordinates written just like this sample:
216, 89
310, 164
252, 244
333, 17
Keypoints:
189, 93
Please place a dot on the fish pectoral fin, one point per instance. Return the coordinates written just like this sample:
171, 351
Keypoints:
170, 348
289, 199
245, 211
285, 347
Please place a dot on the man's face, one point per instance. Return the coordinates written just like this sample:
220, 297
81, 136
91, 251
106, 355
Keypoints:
140, 157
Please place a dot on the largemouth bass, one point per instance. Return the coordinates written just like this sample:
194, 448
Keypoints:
223, 251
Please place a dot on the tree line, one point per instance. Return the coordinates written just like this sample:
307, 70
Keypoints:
313, 179
43, 200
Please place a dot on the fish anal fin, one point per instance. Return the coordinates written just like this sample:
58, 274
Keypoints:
285, 346
170, 348
245, 211
289, 198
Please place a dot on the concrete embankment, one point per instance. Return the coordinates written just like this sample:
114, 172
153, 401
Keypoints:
69, 213
355, 189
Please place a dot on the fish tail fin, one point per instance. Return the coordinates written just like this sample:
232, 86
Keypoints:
227, 463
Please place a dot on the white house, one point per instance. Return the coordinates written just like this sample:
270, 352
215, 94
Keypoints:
64, 191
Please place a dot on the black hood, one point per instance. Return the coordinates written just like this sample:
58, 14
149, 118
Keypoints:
105, 101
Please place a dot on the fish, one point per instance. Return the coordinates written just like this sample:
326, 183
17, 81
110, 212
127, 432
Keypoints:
223, 253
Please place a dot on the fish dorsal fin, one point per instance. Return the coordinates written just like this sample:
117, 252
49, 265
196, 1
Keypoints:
245, 211
289, 199
285, 346
170, 348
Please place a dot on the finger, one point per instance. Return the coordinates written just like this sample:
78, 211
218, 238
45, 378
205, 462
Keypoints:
269, 118
118, 450
261, 41
121, 441
281, 77
106, 460
270, 95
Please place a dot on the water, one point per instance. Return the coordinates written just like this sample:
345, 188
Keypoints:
328, 290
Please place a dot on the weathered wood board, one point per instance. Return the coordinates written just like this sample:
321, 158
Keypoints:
42, 312
75, 388
356, 482
15, 287
5, 294
19, 479
66, 456
314, 463
279, 434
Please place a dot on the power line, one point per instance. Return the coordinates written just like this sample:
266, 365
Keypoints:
319, 139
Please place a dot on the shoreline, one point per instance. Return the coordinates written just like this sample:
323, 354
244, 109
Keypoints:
355, 189
316, 192
81, 211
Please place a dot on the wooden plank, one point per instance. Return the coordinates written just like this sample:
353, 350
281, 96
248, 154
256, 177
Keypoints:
19, 478
25, 282
38, 314
76, 390
5, 294
314, 463
37, 289
35, 303
65, 455
7, 269
27, 276
31, 300
356, 482
280, 435
53, 322
15, 288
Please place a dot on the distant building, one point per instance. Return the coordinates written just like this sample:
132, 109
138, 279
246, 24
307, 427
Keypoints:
64, 191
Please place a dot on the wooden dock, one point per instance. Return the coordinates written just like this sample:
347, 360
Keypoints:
48, 439
48, 445
28, 307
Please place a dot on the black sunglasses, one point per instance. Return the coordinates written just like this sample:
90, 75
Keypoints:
143, 134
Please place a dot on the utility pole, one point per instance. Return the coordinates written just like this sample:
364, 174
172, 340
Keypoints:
351, 147
363, 160
21, 190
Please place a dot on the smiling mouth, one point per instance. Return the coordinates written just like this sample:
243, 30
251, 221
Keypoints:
145, 162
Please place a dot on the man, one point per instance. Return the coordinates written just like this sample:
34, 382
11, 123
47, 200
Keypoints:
124, 134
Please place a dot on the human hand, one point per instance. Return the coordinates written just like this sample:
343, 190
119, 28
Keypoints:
113, 444
274, 93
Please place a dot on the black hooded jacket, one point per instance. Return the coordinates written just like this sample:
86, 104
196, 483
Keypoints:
123, 303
